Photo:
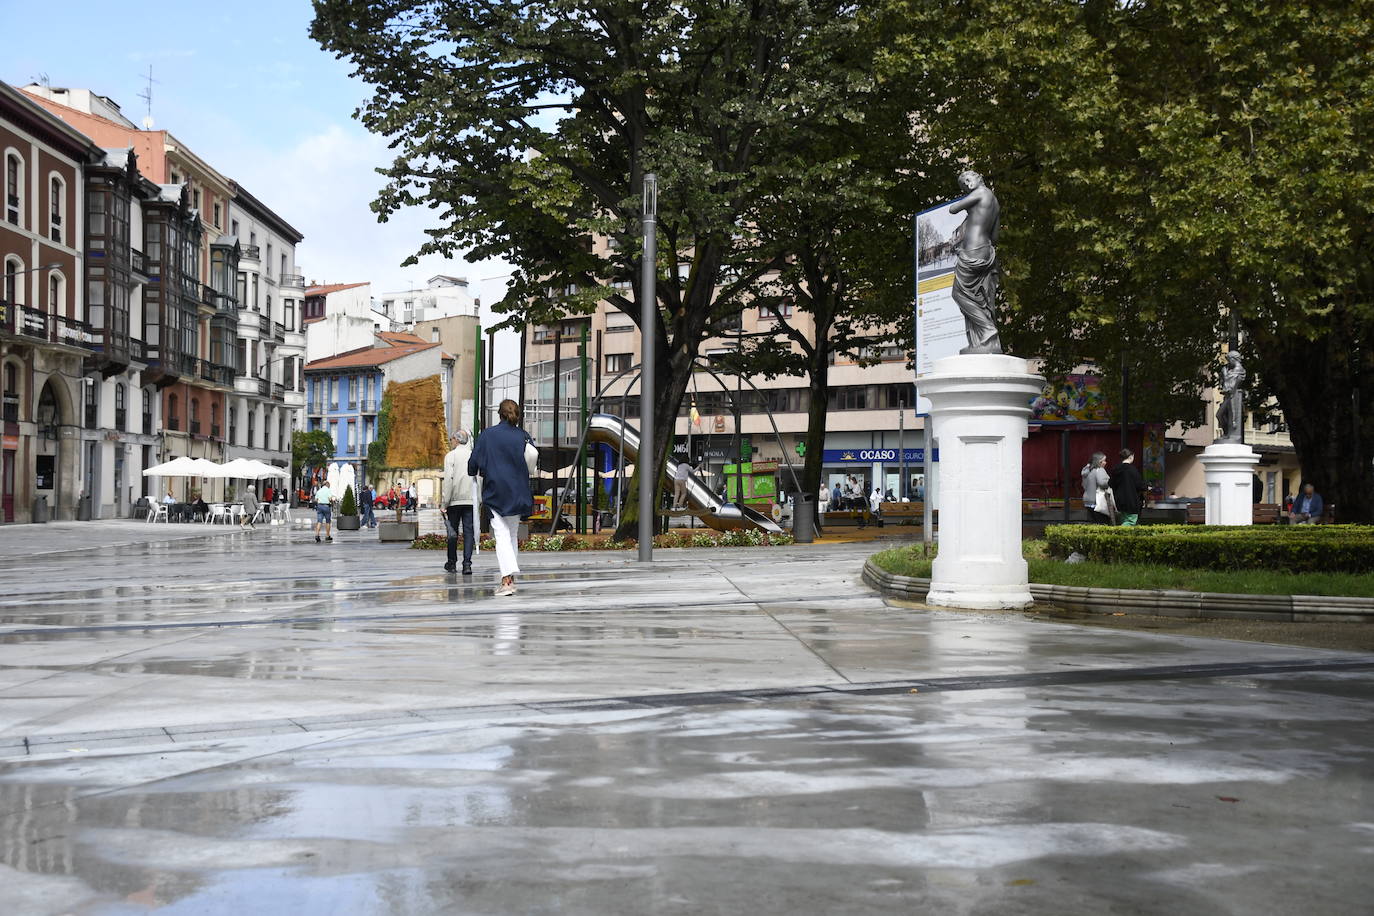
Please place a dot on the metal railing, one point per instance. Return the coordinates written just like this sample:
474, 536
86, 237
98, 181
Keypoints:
296, 280
264, 386
250, 251
264, 324
278, 331
121, 418
138, 261
367, 405
214, 431
195, 427
278, 391
31, 322
173, 423
10, 411
148, 423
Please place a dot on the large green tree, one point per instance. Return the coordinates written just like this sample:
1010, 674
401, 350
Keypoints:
529, 128
1164, 166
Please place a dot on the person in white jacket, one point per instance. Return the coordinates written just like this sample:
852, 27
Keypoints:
459, 498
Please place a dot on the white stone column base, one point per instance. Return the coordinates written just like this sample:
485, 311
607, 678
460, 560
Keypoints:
980, 404
1228, 469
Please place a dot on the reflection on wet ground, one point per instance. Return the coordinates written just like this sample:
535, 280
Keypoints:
1186, 798
259, 725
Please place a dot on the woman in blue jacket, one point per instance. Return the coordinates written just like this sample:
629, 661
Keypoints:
504, 458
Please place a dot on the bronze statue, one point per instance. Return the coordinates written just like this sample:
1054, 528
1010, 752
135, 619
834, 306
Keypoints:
975, 269
1231, 414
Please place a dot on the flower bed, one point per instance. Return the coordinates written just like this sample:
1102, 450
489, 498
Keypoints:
676, 538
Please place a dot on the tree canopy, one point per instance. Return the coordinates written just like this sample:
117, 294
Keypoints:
1167, 165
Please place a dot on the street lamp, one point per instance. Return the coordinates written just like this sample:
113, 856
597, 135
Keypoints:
648, 313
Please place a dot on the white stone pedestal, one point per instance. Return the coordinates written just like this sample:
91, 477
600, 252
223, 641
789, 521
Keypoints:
1228, 468
979, 407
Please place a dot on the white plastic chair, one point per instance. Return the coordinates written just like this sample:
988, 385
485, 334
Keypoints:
217, 513
157, 511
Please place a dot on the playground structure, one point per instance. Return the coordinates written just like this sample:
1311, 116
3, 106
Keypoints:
606, 429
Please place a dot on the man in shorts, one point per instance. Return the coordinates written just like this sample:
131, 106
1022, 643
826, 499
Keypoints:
324, 513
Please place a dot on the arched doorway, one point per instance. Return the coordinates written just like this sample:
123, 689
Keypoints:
49, 418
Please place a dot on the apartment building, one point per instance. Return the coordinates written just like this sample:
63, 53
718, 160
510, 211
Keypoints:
268, 403
44, 339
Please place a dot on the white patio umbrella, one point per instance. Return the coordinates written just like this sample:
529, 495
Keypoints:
268, 470
204, 467
177, 467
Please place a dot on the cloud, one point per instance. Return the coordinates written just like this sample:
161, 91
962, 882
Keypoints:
324, 184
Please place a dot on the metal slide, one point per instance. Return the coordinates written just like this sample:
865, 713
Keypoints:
606, 429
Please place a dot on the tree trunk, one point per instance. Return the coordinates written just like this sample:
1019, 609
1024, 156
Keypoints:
1322, 386
819, 373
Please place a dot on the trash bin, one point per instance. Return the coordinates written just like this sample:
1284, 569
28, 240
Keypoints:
803, 518
40, 510
83, 509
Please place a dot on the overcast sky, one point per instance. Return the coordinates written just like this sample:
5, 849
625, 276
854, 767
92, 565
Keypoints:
244, 86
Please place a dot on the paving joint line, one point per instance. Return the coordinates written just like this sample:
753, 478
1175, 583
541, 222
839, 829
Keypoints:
440, 715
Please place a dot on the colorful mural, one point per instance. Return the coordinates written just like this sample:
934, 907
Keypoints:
1077, 399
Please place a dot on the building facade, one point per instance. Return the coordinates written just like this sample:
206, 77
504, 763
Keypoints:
268, 403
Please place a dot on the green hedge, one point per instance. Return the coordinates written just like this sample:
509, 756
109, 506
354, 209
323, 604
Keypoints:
1295, 548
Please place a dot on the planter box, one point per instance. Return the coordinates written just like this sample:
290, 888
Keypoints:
397, 531
347, 522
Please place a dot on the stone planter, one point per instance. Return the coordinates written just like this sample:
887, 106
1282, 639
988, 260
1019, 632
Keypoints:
347, 522
397, 531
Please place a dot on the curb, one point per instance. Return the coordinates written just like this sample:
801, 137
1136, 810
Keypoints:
1159, 602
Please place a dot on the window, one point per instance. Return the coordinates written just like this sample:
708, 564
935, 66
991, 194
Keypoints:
194, 426
121, 407
214, 419
14, 188
233, 425
617, 362
57, 205
218, 216
173, 419
289, 314
92, 405
11, 400
334, 434
775, 311
147, 411
268, 263
352, 391
352, 437
234, 228
243, 289
282, 272
849, 397
195, 200
54, 294
14, 290
252, 426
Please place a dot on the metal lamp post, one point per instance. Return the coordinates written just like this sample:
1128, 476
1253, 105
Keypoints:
648, 313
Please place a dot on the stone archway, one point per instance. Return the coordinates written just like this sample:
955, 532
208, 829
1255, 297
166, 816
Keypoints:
53, 459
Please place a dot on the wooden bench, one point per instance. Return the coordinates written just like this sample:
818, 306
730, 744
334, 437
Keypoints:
1261, 514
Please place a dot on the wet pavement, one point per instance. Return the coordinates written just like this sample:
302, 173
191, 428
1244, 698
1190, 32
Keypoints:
230, 722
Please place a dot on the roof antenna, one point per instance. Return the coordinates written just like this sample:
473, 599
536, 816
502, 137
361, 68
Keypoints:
147, 96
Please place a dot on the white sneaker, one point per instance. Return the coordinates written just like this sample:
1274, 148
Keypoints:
505, 591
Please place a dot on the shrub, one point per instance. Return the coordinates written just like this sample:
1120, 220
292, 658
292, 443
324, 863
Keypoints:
349, 504
1296, 548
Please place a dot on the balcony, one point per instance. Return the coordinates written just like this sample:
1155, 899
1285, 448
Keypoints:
208, 295
35, 323
314, 410
121, 418
214, 431
278, 391
174, 424
138, 262
292, 280
148, 423
250, 253
91, 416
278, 331
195, 427
264, 387
367, 405
10, 409
264, 325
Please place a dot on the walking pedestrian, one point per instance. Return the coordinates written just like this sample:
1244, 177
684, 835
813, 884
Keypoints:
250, 509
505, 458
1127, 489
1097, 494
457, 496
324, 512
366, 504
